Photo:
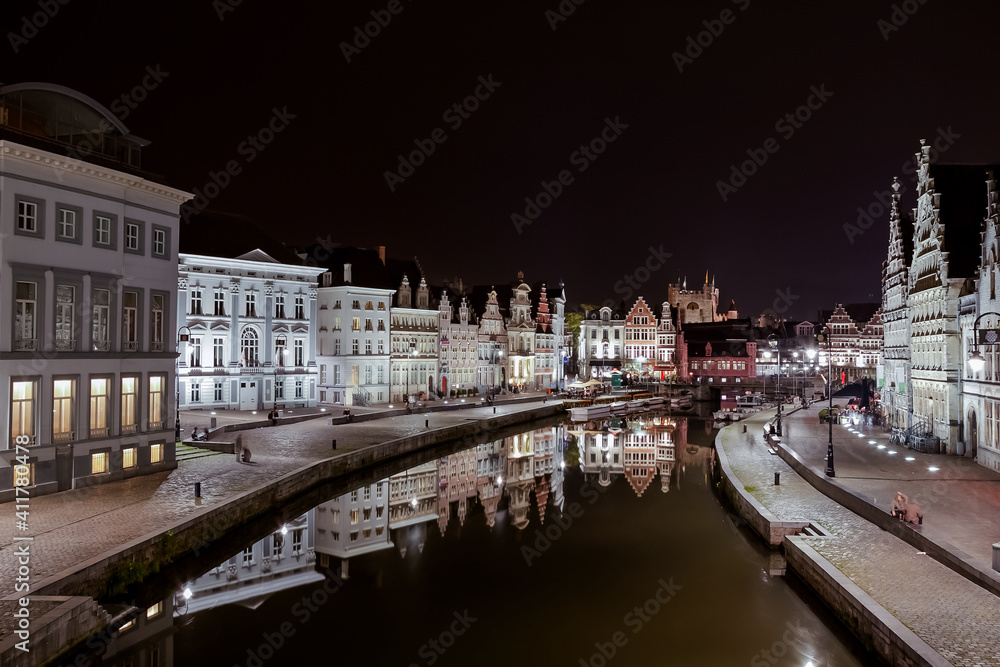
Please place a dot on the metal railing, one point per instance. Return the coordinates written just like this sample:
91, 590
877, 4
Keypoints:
130, 345
25, 344
65, 344
130, 429
100, 432
63, 438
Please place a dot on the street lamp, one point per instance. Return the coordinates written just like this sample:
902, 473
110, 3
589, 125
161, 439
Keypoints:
413, 347
772, 341
976, 360
822, 337
278, 361
181, 338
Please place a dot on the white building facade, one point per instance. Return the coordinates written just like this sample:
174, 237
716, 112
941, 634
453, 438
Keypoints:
251, 324
88, 261
413, 331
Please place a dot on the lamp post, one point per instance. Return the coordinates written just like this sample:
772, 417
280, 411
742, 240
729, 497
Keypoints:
772, 341
822, 337
181, 338
278, 361
976, 360
409, 357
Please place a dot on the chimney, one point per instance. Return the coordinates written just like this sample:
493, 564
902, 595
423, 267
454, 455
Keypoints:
381, 254
347, 273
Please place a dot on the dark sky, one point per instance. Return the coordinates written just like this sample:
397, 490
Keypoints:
323, 176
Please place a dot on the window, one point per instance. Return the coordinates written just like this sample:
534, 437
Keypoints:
336, 324
99, 408
300, 307
354, 496
336, 346
368, 532
378, 529
296, 542
129, 459
249, 347
156, 453
130, 306
279, 390
322, 373
381, 325
354, 517
381, 347
196, 391
196, 352
24, 317
104, 230
133, 237
62, 411
196, 301
99, 463
368, 513
336, 304
155, 610
299, 352
247, 556
354, 536
218, 391
130, 421
218, 352
381, 305
356, 324
65, 296
368, 373
22, 413
27, 217
368, 325
381, 373
220, 302
66, 228
378, 493
101, 306
161, 242
279, 306
356, 305
368, 346
298, 389
354, 346
251, 304
156, 338
156, 405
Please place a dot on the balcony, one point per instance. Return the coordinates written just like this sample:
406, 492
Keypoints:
25, 344
102, 432
156, 346
65, 344
130, 346
130, 429
156, 426
102, 346
63, 438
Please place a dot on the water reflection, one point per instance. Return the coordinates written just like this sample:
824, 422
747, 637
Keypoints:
464, 504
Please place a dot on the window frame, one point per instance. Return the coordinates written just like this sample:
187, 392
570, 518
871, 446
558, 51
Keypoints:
77, 212
112, 243
140, 226
157, 229
39, 219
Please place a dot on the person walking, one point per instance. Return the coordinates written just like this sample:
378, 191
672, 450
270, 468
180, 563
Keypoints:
239, 448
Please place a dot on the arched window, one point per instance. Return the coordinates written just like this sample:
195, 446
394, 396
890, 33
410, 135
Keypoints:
249, 347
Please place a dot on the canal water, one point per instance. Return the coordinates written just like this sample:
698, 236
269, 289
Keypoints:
580, 544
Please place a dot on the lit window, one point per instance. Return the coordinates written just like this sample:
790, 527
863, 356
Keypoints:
156, 453
99, 463
129, 459
155, 610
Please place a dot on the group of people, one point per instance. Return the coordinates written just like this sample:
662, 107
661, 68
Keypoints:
273, 416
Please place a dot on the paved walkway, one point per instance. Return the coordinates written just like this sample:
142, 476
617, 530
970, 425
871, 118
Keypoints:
960, 500
954, 616
73, 526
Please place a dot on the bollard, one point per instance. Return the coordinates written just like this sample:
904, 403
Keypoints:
197, 489
334, 443
744, 428
427, 423
777, 478
214, 423
996, 556
494, 409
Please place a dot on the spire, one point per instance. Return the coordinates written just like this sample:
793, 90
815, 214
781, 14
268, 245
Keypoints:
706, 276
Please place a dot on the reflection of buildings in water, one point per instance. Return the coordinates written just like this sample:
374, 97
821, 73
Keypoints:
600, 453
412, 503
520, 477
279, 561
145, 640
545, 445
353, 524
456, 484
663, 431
694, 459
559, 468
491, 462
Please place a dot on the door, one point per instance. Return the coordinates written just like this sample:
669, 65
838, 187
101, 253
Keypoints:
973, 439
444, 385
248, 394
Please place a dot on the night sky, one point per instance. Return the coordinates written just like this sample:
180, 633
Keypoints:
226, 66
